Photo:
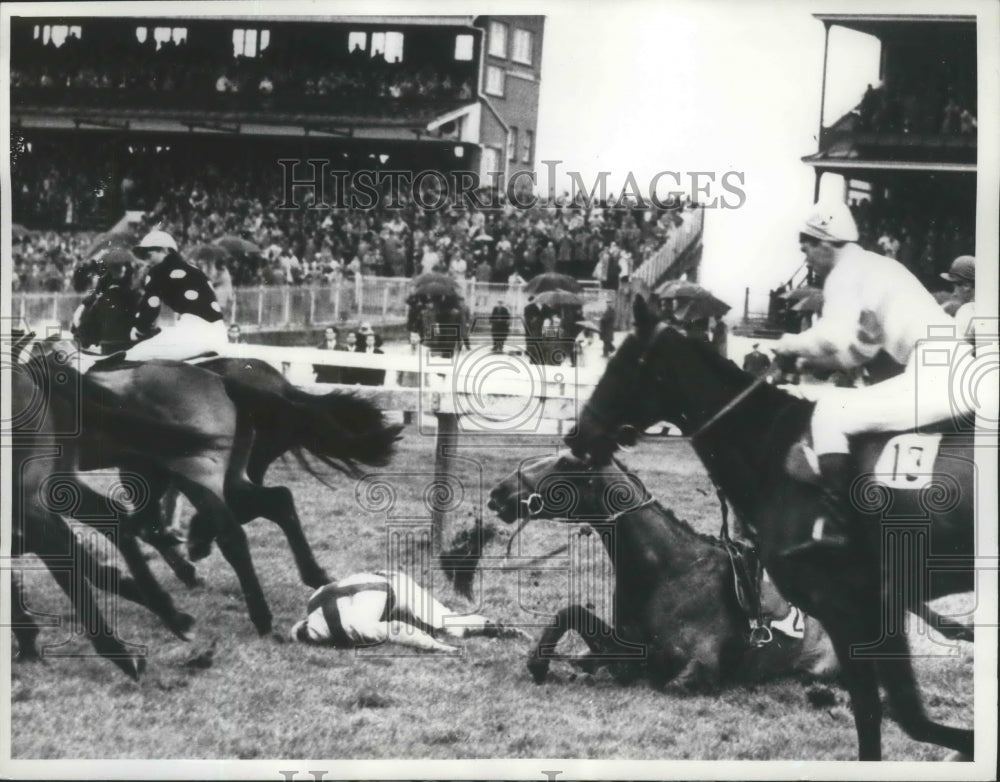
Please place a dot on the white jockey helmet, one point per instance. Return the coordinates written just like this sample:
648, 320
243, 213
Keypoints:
155, 240
832, 222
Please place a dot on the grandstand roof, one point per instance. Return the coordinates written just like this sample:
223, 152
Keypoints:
367, 21
885, 26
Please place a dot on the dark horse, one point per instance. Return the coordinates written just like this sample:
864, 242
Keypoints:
54, 410
371, 443
860, 593
215, 479
676, 614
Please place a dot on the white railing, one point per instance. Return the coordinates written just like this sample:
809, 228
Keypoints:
380, 300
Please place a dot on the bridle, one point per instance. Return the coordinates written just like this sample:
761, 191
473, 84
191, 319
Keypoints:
534, 505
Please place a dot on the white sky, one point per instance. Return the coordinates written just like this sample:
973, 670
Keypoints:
708, 87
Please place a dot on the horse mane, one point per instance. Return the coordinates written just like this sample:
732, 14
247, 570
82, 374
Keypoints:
673, 517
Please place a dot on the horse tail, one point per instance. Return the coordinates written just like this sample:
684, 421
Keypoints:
106, 413
302, 420
374, 438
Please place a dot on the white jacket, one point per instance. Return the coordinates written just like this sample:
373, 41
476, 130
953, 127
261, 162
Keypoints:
870, 302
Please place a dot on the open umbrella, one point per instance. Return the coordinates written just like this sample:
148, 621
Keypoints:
552, 281
210, 253
692, 309
237, 246
558, 299
436, 284
119, 240
589, 325
682, 289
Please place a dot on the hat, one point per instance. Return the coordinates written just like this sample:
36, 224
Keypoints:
831, 223
155, 240
963, 269
366, 328
756, 345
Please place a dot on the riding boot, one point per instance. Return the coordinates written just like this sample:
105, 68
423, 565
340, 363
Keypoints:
832, 529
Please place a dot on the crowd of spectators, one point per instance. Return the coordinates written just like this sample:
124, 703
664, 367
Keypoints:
915, 108
154, 67
199, 203
922, 237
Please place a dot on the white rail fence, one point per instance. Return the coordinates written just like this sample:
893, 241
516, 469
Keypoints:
475, 392
381, 300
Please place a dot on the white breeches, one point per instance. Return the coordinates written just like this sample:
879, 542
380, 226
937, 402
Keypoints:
188, 338
939, 383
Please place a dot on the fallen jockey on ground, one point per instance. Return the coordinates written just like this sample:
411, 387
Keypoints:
365, 609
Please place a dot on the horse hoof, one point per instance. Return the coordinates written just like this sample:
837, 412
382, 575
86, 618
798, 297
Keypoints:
133, 667
199, 549
539, 669
182, 624
317, 580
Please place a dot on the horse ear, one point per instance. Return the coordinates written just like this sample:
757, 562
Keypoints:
644, 318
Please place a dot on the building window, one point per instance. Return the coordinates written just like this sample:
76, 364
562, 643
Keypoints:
523, 43
494, 80
357, 41
464, 45
529, 143
498, 39
250, 43
491, 160
512, 144
58, 33
390, 45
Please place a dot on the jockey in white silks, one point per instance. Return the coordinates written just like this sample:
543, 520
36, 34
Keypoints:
384, 607
871, 303
188, 292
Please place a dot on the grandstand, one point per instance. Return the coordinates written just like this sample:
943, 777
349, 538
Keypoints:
907, 151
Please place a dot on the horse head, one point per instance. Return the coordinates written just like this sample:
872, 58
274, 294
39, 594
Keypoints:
564, 488
657, 374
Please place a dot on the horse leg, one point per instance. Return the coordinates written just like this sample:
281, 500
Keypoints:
895, 671
232, 543
88, 612
25, 628
157, 599
171, 553
859, 677
248, 501
598, 635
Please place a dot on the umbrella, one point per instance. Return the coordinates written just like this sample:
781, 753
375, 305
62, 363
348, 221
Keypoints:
237, 246
124, 240
552, 281
436, 284
692, 309
210, 253
683, 289
482, 238
558, 299
589, 325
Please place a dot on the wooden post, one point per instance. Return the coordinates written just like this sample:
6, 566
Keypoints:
312, 305
260, 306
447, 442
336, 302
358, 290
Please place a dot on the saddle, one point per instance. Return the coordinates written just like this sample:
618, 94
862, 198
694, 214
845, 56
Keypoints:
118, 361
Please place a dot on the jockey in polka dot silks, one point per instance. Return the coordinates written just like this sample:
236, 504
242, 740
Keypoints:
188, 292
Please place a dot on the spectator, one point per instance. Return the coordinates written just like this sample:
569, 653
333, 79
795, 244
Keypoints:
962, 276
235, 334
755, 362
499, 326
607, 329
